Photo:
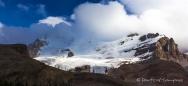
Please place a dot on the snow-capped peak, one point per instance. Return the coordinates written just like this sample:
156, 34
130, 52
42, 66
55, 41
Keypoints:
99, 55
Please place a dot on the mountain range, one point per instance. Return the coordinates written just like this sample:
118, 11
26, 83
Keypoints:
133, 60
68, 54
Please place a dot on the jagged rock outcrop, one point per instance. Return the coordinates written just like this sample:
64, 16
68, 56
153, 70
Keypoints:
132, 34
35, 47
144, 49
70, 53
149, 35
145, 46
165, 62
167, 49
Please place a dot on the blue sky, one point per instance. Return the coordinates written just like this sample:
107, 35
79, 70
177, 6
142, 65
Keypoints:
23, 21
25, 12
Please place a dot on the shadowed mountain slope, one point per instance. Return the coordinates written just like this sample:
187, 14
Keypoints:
18, 69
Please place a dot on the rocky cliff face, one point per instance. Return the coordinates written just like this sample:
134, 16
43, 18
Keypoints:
165, 62
35, 47
146, 46
167, 49
149, 35
158, 70
164, 48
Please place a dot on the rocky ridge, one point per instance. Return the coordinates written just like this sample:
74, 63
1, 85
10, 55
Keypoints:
164, 48
133, 46
35, 47
165, 63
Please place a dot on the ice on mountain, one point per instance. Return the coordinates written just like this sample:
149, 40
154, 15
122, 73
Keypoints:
98, 55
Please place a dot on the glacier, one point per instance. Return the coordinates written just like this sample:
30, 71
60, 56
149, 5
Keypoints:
98, 54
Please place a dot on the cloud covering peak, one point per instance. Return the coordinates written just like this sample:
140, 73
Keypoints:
102, 20
168, 17
110, 21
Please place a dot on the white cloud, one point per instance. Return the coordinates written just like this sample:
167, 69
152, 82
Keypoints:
23, 7
140, 6
11, 34
73, 17
103, 21
30, 34
1, 25
167, 17
54, 21
2, 3
41, 9
109, 22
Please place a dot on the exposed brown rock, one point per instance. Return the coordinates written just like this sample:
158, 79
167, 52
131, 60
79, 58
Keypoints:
34, 47
167, 49
157, 69
85, 68
132, 34
166, 62
144, 49
149, 35
70, 54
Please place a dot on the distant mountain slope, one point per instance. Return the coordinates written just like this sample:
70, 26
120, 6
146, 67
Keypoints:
99, 55
18, 69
